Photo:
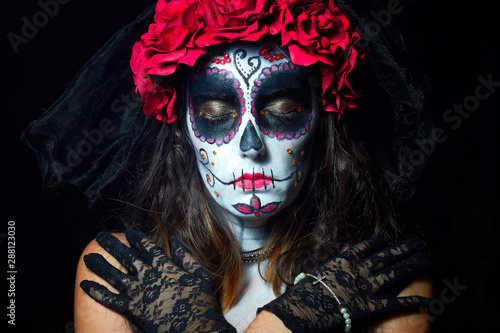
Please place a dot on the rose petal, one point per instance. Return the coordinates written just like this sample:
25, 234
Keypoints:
300, 57
313, 31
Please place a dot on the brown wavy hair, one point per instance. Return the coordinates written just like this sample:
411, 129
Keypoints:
341, 202
345, 198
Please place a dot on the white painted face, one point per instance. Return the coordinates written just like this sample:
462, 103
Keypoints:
251, 121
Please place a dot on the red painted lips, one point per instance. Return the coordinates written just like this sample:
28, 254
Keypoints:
250, 181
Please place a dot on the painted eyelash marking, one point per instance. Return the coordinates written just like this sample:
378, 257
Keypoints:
236, 85
266, 72
289, 136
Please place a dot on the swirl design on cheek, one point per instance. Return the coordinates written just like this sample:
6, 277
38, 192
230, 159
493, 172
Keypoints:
203, 158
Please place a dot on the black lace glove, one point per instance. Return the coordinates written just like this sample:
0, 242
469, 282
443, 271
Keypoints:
365, 278
156, 295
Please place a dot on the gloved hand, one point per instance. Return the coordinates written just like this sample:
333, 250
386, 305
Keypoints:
365, 278
156, 294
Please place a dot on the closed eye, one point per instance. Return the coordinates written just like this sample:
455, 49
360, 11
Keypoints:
218, 119
287, 112
215, 108
283, 106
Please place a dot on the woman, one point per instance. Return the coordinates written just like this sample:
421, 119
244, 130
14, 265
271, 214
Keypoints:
254, 152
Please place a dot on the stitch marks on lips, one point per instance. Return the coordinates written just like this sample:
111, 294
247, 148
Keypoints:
251, 181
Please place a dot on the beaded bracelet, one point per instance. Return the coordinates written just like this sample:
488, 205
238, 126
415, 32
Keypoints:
343, 310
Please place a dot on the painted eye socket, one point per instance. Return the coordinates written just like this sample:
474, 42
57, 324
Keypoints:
284, 117
215, 105
283, 102
215, 121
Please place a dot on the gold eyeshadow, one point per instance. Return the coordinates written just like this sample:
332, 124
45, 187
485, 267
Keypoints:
216, 108
282, 105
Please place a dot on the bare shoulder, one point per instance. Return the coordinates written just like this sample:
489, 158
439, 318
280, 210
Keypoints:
413, 322
91, 316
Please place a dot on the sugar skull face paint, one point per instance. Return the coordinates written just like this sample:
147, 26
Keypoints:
216, 105
251, 121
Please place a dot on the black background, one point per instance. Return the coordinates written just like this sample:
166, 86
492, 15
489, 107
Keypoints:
456, 205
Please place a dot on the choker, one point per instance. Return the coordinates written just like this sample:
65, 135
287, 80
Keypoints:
253, 256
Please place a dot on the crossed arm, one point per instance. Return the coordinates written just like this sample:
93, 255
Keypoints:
91, 316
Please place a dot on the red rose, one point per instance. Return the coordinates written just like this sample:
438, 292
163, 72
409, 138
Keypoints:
318, 32
158, 99
232, 20
161, 103
172, 37
168, 43
314, 32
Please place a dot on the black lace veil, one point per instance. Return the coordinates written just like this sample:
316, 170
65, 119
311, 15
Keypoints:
92, 134
95, 134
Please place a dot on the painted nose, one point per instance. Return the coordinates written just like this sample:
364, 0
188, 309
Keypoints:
251, 145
